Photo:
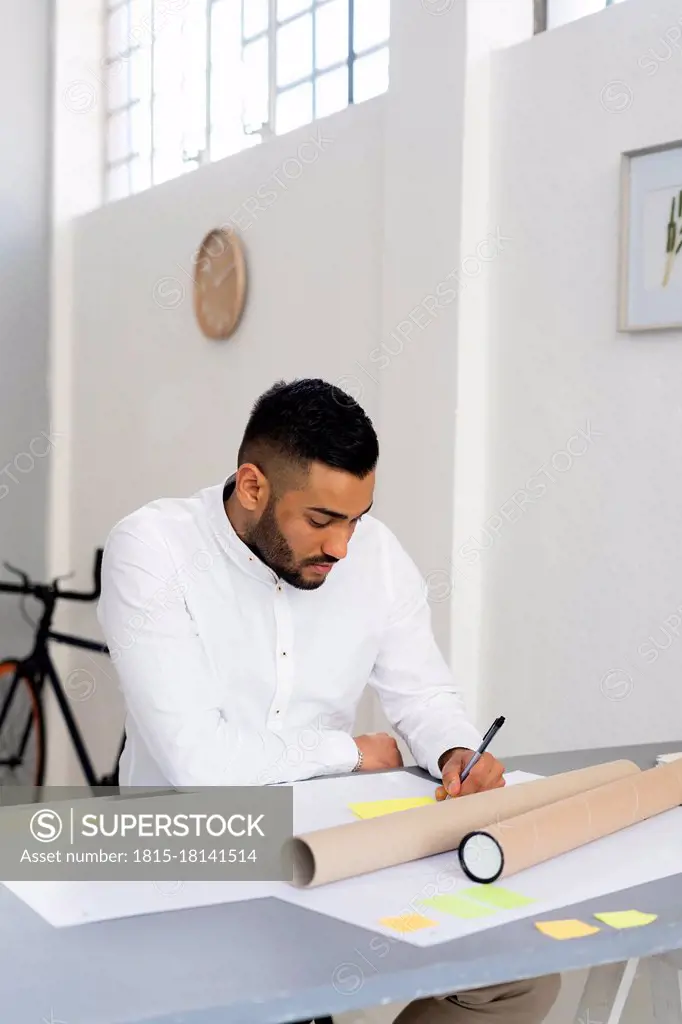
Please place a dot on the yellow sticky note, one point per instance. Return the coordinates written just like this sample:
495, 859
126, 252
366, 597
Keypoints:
375, 808
569, 929
496, 896
408, 922
626, 918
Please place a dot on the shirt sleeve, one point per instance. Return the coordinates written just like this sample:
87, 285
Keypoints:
172, 691
410, 675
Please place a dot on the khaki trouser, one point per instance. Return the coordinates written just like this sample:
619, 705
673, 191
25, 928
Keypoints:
517, 1002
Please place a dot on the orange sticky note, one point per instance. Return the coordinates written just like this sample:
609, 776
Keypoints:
569, 929
375, 808
407, 922
626, 918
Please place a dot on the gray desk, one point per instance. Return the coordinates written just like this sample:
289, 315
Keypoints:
266, 962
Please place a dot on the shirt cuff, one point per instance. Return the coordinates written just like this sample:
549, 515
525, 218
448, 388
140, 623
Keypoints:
338, 752
464, 735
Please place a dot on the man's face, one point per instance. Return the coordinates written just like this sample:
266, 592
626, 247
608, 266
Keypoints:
305, 532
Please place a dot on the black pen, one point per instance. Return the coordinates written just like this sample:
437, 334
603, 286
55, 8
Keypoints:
485, 742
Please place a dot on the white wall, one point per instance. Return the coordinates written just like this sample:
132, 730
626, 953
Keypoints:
157, 408
454, 589
347, 264
576, 579
422, 224
570, 586
26, 443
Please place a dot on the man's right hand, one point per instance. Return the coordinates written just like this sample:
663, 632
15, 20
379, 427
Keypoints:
379, 750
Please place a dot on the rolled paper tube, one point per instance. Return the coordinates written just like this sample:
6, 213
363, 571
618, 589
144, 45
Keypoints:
345, 851
521, 841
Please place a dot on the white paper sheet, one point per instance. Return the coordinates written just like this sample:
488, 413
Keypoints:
323, 803
641, 853
63, 904
318, 803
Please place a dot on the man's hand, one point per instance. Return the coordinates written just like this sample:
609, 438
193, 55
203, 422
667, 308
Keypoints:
486, 774
379, 750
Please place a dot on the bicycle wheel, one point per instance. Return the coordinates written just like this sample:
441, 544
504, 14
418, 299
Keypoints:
22, 729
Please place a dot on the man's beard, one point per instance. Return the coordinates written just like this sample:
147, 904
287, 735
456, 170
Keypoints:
267, 541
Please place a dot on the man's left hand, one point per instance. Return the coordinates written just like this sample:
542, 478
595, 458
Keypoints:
487, 773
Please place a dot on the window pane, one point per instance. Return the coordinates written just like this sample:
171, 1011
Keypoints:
295, 50
168, 12
140, 174
118, 32
194, 77
227, 79
167, 164
331, 92
168, 59
141, 129
225, 141
193, 51
167, 126
141, 23
256, 83
227, 138
141, 75
118, 142
189, 165
372, 23
256, 18
370, 75
118, 182
560, 12
331, 33
294, 108
287, 8
226, 30
117, 83
193, 115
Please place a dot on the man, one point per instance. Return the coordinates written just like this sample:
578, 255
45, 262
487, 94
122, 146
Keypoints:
246, 621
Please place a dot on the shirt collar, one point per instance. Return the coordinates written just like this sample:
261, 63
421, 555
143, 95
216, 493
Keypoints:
230, 540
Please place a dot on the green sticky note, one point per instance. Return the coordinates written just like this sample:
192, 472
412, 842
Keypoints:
496, 896
626, 918
449, 903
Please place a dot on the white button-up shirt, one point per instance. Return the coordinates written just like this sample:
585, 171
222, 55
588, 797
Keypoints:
231, 676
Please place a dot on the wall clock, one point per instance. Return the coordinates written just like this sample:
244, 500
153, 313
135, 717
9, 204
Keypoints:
219, 284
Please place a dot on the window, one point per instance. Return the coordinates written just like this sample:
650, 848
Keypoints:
560, 12
189, 81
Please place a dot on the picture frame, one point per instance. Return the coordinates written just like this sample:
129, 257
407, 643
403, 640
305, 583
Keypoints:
650, 251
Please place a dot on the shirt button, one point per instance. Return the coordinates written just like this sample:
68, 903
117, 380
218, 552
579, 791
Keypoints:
284, 654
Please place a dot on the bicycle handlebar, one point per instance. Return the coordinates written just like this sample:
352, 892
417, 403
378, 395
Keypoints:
88, 595
36, 589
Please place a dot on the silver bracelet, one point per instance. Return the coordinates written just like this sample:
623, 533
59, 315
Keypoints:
361, 758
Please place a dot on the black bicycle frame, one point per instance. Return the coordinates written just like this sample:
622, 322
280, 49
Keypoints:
38, 667
12, 762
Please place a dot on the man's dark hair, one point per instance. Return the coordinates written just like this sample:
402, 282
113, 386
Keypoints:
292, 425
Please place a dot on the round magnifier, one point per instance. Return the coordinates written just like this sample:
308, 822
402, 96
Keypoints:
481, 857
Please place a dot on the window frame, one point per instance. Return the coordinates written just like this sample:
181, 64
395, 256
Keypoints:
262, 131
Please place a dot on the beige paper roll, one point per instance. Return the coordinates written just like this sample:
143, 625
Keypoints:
345, 851
524, 840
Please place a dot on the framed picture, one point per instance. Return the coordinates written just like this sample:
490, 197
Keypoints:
651, 239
